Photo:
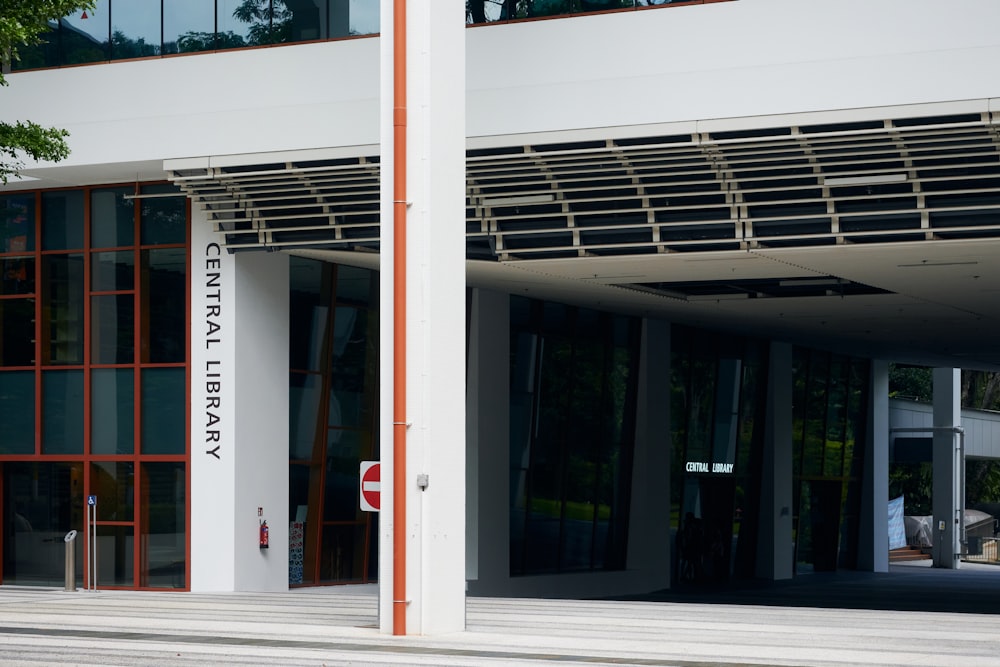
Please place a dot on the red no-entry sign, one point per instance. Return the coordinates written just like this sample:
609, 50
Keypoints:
371, 486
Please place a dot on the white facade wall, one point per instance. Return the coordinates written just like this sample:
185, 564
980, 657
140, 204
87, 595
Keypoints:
250, 101
626, 73
728, 60
673, 70
982, 427
239, 416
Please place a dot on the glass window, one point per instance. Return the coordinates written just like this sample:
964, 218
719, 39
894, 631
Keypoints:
308, 312
163, 403
62, 220
245, 21
62, 309
86, 35
164, 525
62, 412
45, 54
344, 449
42, 501
836, 405
112, 398
112, 222
307, 21
17, 335
188, 26
163, 219
354, 285
17, 412
349, 405
343, 553
571, 427
304, 402
112, 271
135, 29
18, 275
164, 291
814, 430
113, 482
112, 329
364, 18
116, 564
17, 223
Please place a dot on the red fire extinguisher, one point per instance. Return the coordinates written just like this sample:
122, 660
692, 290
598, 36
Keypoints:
263, 535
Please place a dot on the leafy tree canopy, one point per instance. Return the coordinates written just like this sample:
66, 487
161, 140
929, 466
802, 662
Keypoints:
21, 24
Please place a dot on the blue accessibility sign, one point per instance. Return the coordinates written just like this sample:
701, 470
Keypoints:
91, 500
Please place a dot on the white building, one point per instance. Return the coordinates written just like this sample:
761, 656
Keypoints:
695, 236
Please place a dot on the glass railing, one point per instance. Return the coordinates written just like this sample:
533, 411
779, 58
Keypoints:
124, 29
490, 11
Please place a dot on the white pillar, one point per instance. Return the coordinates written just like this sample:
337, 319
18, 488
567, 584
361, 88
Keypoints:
873, 529
239, 415
649, 524
946, 501
488, 427
775, 549
261, 383
435, 318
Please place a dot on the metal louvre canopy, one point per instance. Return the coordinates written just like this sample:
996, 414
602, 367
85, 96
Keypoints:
315, 203
909, 179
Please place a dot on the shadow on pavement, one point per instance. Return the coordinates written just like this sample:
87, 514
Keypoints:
973, 589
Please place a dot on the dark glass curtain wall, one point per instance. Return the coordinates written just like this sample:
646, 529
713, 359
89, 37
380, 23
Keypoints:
718, 394
572, 402
829, 415
717, 412
123, 29
93, 382
332, 405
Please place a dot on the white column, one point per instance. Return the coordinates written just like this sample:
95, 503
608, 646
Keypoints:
213, 410
873, 529
945, 498
775, 549
435, 319
488, 427
239, 415
649, 524
261, 446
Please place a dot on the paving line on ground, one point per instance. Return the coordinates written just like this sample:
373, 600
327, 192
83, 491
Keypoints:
216, 640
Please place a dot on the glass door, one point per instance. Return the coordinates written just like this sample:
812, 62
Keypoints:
42, 501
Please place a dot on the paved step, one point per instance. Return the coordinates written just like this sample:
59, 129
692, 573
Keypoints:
907, 553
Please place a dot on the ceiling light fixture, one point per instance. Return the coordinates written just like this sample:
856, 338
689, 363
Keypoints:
929, 263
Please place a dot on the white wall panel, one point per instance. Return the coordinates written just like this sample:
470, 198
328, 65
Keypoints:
256, 100
725, 60
744, 58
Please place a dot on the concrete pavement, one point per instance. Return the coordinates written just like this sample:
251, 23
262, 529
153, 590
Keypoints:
338, 626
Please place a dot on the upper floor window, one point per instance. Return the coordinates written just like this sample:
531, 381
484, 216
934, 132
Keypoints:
122, 29
486, 11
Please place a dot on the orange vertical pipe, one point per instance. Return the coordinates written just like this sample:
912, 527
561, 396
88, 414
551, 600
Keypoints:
399, 319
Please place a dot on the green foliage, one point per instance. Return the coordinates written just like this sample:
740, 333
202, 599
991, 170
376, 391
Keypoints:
21, 24
30, 139
124, 46
914, 481
270, 23
207, 41
981, 390
913, 382
982, 481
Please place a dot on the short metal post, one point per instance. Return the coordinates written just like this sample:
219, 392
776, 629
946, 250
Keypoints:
70, 541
